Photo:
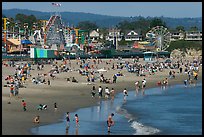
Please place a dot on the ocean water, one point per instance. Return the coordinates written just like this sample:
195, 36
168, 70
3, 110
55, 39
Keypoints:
175, 110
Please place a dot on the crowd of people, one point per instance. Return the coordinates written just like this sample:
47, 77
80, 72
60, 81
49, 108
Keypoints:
87, 67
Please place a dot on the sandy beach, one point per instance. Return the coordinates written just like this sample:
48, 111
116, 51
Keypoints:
69, 96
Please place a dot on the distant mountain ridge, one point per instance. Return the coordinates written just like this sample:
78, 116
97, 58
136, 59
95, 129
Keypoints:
73, 18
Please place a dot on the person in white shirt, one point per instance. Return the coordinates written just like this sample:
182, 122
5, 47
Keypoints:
100, 89
107, 92
125, 93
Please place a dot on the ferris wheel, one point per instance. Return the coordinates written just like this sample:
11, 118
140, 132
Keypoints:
159, 37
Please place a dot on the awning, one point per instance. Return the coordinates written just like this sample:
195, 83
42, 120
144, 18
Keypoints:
26, 41
14, 41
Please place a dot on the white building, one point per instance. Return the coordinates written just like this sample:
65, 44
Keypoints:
193, 35
114, 33
132, 36
94, 36
177, 36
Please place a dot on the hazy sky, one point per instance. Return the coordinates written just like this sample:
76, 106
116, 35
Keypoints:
127, 9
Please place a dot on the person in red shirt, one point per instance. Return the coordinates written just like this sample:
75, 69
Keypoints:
24, 105
77, 120
11, 90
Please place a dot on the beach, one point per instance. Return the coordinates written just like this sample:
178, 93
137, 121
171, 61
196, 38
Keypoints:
69, 96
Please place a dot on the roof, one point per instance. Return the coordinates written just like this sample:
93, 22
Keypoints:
149, 52
14, 41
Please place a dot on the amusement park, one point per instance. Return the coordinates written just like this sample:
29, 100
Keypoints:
54, 40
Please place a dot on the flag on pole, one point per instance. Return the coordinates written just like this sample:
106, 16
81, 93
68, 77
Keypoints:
56, 4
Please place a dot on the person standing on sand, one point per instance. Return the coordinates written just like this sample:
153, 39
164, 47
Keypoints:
55, 106
24, 105
114, 78
100, 90
11, 90
110, 121
48, 82
93, 92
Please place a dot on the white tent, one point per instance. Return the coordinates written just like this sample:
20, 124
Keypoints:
102, 70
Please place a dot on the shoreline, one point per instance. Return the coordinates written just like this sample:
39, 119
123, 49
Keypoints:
175, 82
71, 96
102, 109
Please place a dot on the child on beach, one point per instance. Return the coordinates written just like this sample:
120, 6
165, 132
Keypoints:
24, 105
110, 121
36, 119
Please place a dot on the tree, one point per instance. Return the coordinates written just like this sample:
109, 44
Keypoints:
11, 24
104, 32
194, 28
157, 22
87, 25
26, 19
180, 28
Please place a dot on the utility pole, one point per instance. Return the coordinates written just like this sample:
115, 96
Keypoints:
5, 35
115, 38
116, 45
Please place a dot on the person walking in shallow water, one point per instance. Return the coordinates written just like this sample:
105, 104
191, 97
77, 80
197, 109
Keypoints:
77, 120
112, 93
137, 86
125, 93
110, 121
67, 119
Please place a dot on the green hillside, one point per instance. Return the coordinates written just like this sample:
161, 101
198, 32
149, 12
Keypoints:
73, 18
